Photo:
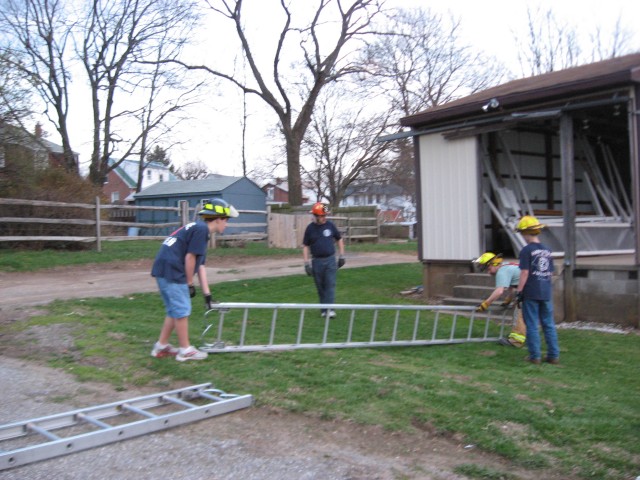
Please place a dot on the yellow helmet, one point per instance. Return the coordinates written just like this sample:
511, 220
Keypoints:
529, 224
488, 259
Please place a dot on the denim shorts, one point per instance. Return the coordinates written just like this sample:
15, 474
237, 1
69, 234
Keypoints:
176, 298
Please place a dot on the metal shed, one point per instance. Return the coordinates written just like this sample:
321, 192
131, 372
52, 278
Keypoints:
562, 146
241, 192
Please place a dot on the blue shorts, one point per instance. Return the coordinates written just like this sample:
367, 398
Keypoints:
175, 297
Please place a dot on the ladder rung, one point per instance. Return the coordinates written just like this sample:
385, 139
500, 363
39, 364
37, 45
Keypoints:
139, 411
177, 401
93, 421
42, 431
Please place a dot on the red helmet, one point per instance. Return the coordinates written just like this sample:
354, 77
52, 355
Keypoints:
320, 209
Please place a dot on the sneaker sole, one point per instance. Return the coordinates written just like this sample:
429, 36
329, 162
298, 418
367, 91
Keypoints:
193, 357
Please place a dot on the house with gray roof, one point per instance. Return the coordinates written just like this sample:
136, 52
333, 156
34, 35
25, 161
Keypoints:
122, 181
241, 192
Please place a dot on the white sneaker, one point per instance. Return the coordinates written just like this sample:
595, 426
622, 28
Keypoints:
332, 314
167, 351
190, 353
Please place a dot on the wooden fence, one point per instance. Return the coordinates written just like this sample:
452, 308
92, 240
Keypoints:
287, 230
97, 211
282, 230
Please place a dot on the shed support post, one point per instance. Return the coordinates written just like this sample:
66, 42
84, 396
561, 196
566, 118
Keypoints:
569, 214
634, 153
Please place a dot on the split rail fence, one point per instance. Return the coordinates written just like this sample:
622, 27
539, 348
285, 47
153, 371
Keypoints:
95, 223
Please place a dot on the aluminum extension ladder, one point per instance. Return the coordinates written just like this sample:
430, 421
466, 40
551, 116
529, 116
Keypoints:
250, 327
33, 440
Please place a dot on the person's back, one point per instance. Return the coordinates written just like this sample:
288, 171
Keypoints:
535, 291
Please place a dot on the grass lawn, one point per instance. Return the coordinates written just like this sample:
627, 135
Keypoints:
18, 260
581, 418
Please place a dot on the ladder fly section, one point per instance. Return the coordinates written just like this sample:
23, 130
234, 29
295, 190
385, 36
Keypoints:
43, 438
251, 327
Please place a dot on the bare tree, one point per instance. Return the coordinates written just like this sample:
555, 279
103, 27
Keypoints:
342, 144
192, 171
120, 36
319, 50
16, 103
419, 61
37, 33
551, 44
160, 113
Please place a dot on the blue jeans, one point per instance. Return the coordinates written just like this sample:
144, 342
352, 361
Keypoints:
540, 312
324, 275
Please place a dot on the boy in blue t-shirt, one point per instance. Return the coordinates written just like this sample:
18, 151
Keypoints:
182, 256
535, 292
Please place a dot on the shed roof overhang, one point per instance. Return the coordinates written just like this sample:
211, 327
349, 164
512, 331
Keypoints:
549, 94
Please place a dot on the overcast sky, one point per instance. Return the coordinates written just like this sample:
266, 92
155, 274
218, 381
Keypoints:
214, 134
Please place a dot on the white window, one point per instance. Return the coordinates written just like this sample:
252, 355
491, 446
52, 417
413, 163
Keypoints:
115, 197
149, 174
161, 178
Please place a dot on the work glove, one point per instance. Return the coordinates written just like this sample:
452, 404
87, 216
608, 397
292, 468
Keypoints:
519, 299
341, 261
192, 291
208, 301
482, 307
507, 301
308, 269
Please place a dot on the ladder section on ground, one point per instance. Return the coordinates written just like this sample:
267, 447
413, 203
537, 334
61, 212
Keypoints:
250, 327
47, 437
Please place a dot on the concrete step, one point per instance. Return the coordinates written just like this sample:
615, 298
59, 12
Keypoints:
479, 279
472, 291
465, 302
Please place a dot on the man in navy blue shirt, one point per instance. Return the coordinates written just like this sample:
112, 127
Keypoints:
181, 256
535, 291
319, 244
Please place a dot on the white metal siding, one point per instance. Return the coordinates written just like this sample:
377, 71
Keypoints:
450, 199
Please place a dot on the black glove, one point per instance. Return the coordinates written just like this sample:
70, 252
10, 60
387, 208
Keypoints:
192, 291
519, 298
341, 262
208, 301
308, 269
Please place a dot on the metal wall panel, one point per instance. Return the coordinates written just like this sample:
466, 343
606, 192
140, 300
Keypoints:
451, 199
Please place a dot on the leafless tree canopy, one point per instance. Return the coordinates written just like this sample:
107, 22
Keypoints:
319, 47
123, 46
121, 38
38, 33
551, 44
192, 171
419, 61
16, 104
342, 144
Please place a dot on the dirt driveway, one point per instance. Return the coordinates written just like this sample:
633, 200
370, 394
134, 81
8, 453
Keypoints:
254, 443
